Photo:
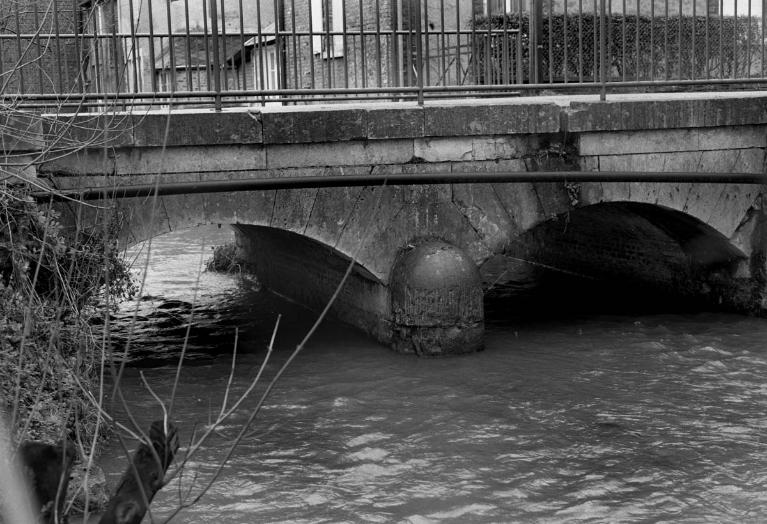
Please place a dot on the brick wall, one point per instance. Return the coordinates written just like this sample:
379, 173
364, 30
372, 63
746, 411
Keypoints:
366, 58
39, 63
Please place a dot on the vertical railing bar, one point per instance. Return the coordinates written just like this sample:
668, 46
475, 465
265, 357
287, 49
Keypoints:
609, 35
379, 79
188, 49
580, 40
597, 38
19, 59
550, 29
407, 44
311, 42
363, 50
623, 49
637, 22
259, 43
442, 45
206, 45
426, 60
38, 31
396, 66
488, 46
78, 43
153, 76
680, 75
57, 32
458, 79
506, 59
735, 41
350, 57
566, 40
96, 49
118, 61
520, 67
762, 39
2, 60
538, 32
706, 45
665, 40
297, 58
721, 39
474, 49
652, 40
135, 50
419, 52
243, 69
163, 66
302, 58
747, 72
358, 56
198, 74
216, 57
328, 54
602, 37
223, 47
693, 64
279, 46
171, 49
344, 36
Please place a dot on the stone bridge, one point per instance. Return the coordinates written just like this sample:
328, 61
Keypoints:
426, 254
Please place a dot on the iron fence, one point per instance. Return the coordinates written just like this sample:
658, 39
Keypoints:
240, 52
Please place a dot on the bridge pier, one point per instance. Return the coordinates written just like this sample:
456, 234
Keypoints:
436, 301
308, 272
432, 305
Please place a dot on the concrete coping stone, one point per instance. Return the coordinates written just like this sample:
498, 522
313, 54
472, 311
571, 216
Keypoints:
443, 118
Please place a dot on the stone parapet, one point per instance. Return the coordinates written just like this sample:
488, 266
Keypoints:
666, 111
397, 121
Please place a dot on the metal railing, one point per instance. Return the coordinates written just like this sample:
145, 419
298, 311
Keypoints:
121, 53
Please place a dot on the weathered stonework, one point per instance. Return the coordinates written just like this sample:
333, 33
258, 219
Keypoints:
436, 301
725, 132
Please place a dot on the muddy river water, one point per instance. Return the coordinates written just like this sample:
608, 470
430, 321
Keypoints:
590, 418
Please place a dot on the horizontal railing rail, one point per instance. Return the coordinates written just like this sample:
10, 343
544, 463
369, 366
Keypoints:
127, 53
407, 179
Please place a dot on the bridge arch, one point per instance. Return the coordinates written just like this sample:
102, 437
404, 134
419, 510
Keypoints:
299, 242
627, 247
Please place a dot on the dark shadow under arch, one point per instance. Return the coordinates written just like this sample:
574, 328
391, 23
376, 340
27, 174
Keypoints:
307, 271
616, 251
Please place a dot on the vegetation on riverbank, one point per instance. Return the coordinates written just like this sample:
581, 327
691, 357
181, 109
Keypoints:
52, 287
225, 259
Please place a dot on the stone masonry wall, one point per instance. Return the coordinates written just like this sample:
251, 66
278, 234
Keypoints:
692, 132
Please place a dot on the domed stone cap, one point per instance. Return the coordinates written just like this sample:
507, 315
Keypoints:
435, 264
436, 301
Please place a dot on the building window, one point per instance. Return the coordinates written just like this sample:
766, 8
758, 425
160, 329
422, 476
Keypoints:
499, 7
269, 57
327, 24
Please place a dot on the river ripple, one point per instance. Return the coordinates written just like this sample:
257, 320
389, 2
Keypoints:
639, 418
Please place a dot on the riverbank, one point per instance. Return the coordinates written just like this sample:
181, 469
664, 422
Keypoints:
53, 288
